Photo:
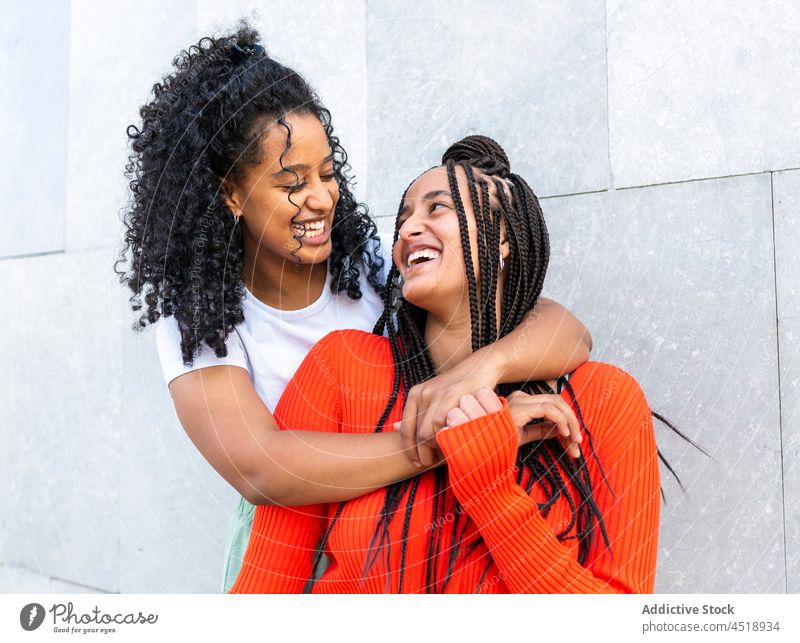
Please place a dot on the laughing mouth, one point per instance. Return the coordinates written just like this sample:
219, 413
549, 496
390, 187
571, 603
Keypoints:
421, 256
309, 229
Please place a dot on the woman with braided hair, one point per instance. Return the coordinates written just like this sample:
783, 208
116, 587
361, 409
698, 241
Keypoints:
507, 510
244, 239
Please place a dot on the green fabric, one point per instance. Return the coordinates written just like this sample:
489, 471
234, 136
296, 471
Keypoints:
238, 535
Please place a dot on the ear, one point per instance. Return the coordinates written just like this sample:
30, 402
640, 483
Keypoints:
505, 249
231, 197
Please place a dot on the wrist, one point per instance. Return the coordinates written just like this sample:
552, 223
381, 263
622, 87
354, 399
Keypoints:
408, 468
492, 363
481, 454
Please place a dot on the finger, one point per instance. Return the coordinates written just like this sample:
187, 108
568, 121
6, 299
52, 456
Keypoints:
455, 417
569, 447
438, 417
567, 441
556, 415
428, 454
572, 420
488, 399
425, 432
572, 448
574, 437
547, 429
551, 412
561, 409
471, 407
409, 424
532, 433
559, 415
557, 421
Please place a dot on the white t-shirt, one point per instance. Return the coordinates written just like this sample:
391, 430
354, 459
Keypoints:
271, 343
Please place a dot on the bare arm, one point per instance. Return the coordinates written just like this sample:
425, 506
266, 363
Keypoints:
230, 425
549, 342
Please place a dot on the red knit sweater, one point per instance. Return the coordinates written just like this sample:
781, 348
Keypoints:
343, 385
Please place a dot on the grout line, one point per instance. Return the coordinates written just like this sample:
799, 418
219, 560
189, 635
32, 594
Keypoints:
559, 196
56, 578
648, 185
63, 251
780, 405
30, 255
785, 169
706, 178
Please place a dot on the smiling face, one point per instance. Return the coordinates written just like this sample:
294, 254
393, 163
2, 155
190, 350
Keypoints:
429, 253
287, 201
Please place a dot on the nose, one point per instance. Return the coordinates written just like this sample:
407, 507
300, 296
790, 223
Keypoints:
322, 197
411, 227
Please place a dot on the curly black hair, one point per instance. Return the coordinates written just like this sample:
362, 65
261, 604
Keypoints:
205, 122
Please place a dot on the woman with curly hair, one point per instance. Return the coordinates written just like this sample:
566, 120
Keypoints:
508, 511
244, 236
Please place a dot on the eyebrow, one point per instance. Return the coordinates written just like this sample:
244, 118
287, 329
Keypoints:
300, 167
428, 197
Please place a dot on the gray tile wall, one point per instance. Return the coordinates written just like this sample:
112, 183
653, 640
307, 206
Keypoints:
534, 78
662, 136
117, 52
105, 491
664, 278
676, 280
33, 126
702, 89
786, 195
61, 407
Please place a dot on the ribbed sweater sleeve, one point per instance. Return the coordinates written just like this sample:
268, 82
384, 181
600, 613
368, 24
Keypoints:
282, 543
481, 457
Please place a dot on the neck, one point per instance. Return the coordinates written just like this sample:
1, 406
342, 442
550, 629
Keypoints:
448, 332
449, 339
282, 284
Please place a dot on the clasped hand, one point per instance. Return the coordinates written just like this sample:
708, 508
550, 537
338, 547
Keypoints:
537, 417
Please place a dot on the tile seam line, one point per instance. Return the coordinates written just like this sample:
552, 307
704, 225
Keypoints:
655, 185
32, 255
705, 178
780, 392
63, 251
57, 578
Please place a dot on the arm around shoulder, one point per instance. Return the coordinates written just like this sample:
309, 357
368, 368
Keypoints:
309, 462
231, 426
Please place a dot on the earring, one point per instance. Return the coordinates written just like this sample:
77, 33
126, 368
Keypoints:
502, 262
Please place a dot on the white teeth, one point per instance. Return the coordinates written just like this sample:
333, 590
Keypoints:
310, 229
427, 253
